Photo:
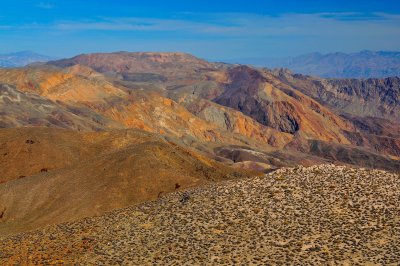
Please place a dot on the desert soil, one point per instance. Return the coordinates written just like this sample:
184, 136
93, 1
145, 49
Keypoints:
330, 215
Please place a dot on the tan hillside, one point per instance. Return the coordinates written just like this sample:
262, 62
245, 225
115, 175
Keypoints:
20, 109
58, 85
318, 215
70, 175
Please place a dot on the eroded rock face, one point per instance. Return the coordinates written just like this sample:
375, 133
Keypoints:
206, 105
276, 115
266, 99
243, 94
236, 122
385, 92
375, 126
360, 97
379, 144
19, 109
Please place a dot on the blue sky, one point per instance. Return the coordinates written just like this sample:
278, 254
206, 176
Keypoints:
209, 29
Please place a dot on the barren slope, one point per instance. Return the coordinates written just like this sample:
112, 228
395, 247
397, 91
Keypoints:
303, 216
177, 66
19, 109
70, 175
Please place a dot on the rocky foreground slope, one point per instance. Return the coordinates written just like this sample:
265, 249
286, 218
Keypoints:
318, 215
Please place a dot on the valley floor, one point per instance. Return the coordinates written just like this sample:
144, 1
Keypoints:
317, 215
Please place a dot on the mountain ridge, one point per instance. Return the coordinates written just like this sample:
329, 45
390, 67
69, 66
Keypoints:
363, 64
22, 58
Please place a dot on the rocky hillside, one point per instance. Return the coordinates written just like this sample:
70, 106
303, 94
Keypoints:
318, 215
15, 105
360, 97
265, 99
242, 116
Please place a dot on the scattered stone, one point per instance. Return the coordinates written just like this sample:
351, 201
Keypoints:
324, 215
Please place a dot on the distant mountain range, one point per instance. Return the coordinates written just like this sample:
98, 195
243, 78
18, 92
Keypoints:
364, 64
23, 58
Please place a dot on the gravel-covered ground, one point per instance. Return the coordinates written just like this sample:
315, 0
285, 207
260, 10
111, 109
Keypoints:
318, 215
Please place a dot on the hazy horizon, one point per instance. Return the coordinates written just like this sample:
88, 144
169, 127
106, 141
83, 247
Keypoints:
211, 30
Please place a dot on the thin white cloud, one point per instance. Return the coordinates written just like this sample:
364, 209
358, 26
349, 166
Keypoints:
143, 24
236, 25
213, 35
45, 5
241, 25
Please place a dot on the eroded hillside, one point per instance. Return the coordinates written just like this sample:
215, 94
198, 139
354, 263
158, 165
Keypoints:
211, 106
